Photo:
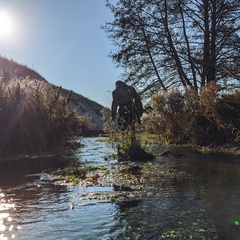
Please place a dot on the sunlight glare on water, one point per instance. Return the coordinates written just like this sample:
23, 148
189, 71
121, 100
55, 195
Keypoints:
5, 219
186, 198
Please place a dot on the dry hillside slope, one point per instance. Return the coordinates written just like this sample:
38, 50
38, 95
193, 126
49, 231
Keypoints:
9, 69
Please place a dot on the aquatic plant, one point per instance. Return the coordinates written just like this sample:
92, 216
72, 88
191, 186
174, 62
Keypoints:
129, 147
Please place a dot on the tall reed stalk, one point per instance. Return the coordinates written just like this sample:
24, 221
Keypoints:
35, 118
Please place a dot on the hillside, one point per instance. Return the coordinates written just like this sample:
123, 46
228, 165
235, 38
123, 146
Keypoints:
86, 105
10, 69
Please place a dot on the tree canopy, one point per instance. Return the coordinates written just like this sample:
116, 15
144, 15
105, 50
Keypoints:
175, 43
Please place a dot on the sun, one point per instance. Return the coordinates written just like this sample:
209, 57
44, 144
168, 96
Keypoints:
5, 24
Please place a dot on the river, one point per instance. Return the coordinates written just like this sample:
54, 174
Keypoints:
200, 202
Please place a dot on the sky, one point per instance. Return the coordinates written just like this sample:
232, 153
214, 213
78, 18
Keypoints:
63, 41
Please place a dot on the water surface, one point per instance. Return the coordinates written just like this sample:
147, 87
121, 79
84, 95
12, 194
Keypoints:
199, 201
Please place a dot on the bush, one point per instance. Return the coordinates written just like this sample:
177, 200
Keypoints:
35, 118
210, 117
108, 124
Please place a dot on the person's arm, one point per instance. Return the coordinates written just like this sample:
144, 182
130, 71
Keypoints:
138, 102
114, 106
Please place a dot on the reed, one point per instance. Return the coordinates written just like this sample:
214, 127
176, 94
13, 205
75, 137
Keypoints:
34, 117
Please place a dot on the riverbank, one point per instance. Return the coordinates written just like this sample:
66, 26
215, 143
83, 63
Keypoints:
227, 150
146, 139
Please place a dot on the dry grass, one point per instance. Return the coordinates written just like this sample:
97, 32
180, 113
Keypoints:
208, 118
35, 118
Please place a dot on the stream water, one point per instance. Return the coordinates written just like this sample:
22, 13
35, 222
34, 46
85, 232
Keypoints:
200, 202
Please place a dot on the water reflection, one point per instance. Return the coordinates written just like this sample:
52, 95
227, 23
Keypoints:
21, 194
200, 202
6, 225
13, 172
221, 184
37, 208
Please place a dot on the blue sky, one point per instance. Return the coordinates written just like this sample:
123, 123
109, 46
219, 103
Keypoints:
63, 42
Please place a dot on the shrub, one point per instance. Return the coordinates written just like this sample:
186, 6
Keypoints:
168, 116
210, 117
108, 124
34, 117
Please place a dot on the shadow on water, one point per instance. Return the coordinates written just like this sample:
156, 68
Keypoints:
218, 183
15, 171
199, 200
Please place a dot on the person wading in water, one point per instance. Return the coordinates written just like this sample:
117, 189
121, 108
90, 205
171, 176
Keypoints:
128, 103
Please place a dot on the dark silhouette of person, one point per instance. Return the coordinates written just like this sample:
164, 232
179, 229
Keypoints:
128, 103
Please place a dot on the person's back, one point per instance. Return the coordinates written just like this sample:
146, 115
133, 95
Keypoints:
128, 101
122, 95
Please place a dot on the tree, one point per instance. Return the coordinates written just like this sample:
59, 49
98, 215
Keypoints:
175, 43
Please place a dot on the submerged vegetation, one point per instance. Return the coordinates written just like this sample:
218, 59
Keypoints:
36, 118
164, 211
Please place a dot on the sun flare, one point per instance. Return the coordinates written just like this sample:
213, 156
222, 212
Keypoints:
5, 24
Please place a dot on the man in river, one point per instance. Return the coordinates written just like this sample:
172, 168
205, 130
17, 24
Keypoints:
128, 103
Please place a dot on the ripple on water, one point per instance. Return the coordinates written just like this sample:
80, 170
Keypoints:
188, 205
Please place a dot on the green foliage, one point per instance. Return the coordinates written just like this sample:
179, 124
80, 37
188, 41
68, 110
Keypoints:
77, 172
129, 147
35, 118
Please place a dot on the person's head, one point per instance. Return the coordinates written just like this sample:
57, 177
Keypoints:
119, 83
